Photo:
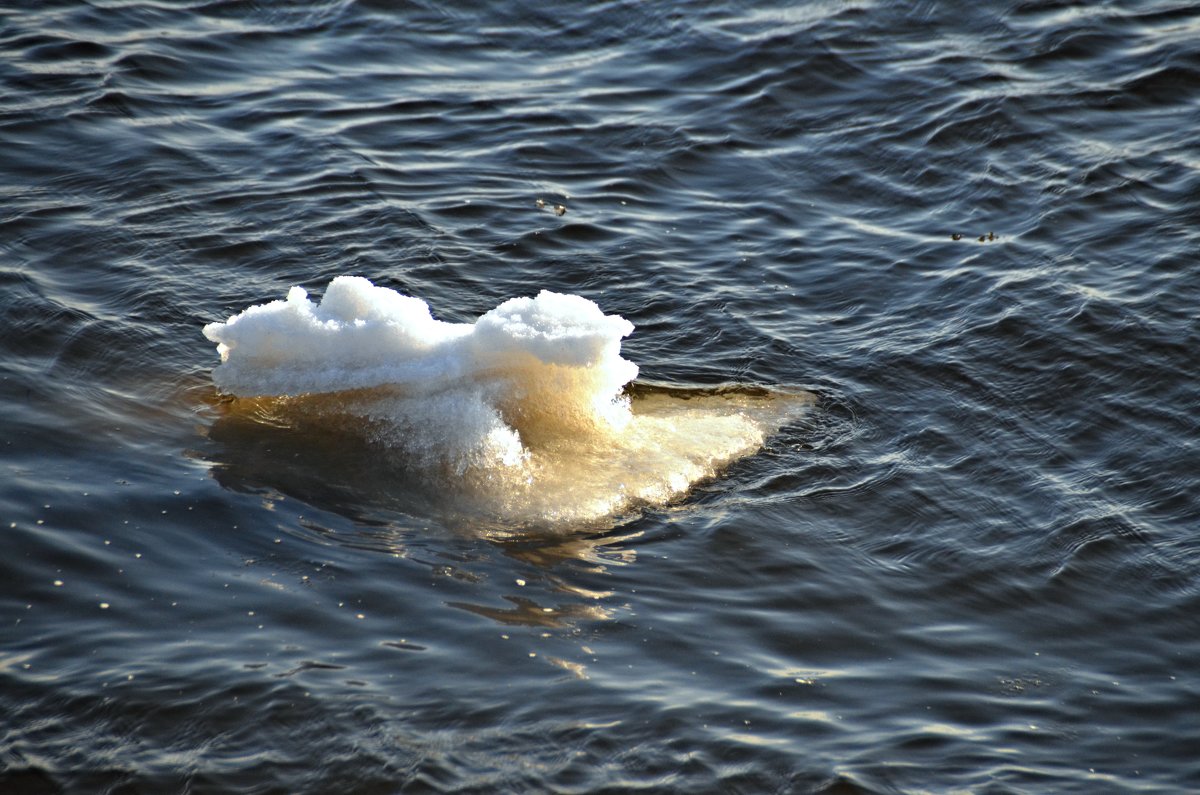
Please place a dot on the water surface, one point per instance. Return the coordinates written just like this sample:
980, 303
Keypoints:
968, 231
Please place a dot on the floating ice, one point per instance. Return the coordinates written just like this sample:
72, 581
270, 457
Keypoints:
523, 414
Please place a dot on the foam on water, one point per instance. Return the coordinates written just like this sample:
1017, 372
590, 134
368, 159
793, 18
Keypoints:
522, 414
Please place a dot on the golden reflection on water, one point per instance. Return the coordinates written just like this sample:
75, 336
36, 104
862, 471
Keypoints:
559, 512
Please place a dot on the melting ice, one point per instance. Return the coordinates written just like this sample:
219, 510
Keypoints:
524, 413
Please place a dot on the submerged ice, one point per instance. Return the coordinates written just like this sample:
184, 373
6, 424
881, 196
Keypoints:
523, 414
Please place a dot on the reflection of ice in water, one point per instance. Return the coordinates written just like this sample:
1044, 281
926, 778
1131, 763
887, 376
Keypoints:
520, 416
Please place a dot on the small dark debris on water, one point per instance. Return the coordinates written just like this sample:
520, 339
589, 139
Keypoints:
559, 209
988, 238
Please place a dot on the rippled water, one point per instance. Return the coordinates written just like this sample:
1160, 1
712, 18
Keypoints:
969, 230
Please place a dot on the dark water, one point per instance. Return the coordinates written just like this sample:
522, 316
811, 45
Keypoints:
972, 567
